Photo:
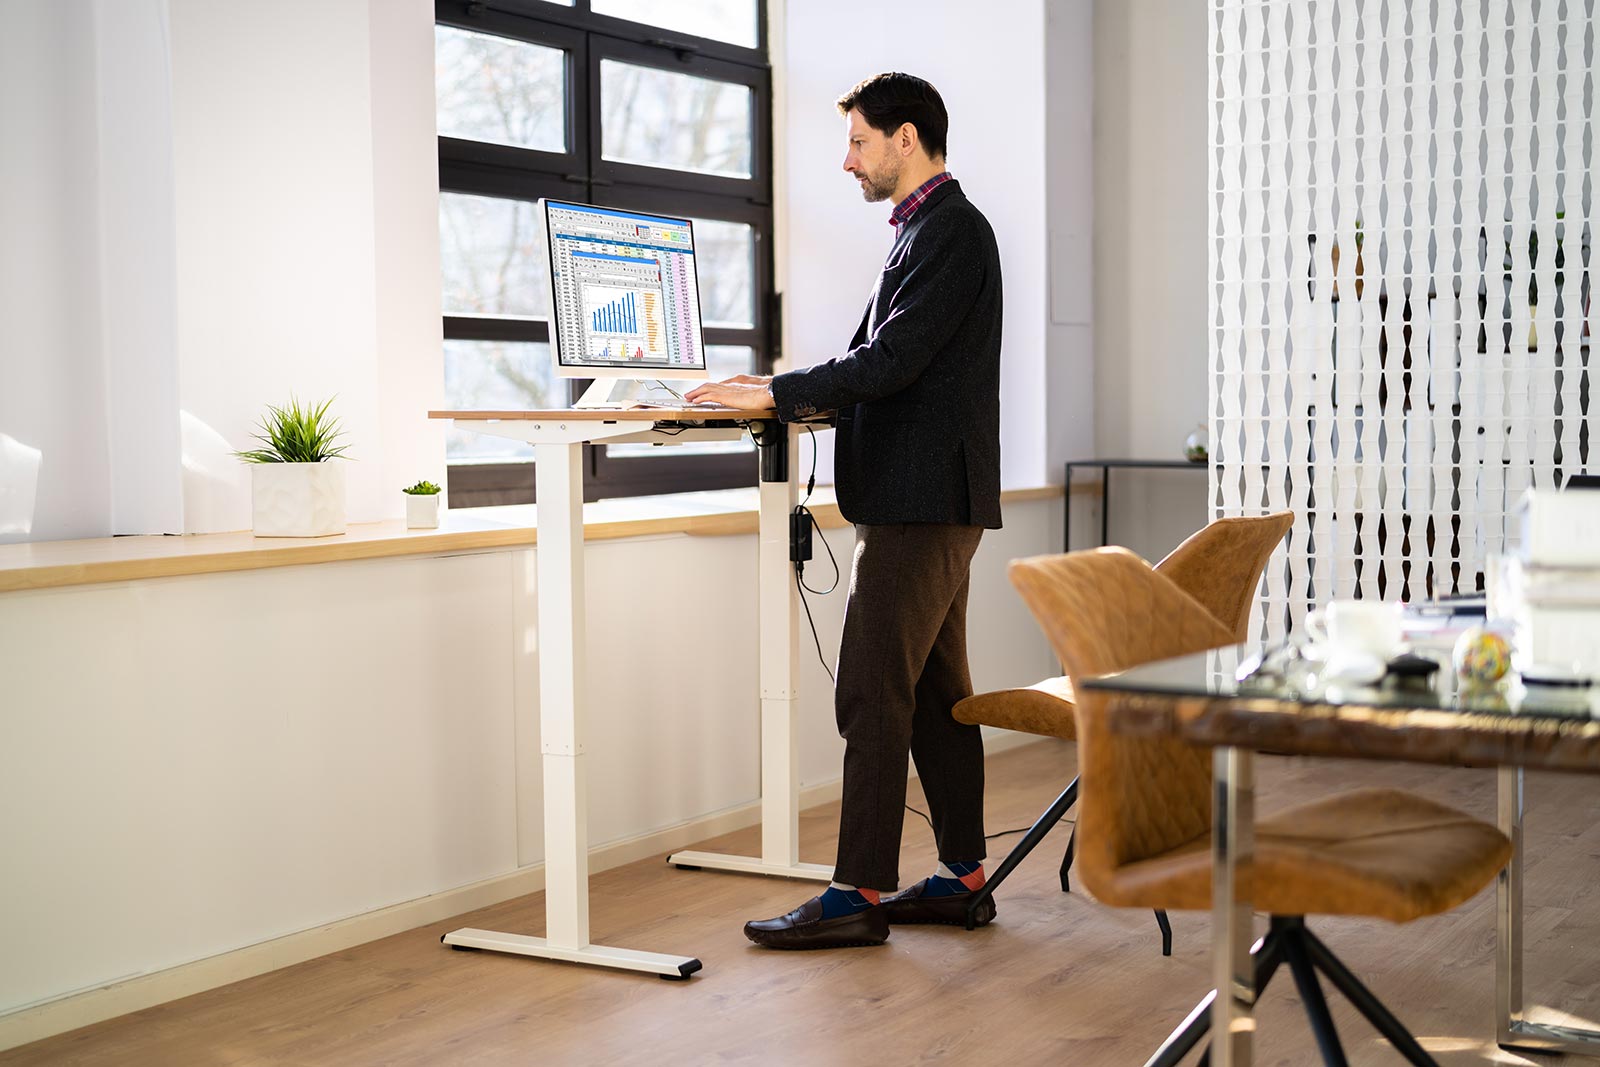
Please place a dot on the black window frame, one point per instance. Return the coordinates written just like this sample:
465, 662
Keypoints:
580, 174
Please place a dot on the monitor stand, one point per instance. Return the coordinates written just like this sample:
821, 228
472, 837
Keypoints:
619, 394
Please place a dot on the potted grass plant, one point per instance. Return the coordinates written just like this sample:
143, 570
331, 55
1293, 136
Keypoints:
296, 489
422, 506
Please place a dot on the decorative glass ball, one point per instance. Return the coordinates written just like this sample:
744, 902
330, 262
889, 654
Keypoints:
1197, 446
1481, 656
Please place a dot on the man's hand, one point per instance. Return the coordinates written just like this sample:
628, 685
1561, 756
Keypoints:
747, 391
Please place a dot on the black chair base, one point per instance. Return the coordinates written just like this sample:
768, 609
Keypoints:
1036, 833
1288, 941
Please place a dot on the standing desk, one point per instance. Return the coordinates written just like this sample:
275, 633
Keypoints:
558, 438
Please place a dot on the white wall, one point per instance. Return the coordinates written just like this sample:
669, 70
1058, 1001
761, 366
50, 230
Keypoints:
405, 200
259, 753
836, 242
301, 160
217, 209
52, 376
138, 249
1150, 261
1069, 373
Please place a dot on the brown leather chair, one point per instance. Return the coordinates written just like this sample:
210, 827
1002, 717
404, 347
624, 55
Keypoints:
1145, 804
1219, 567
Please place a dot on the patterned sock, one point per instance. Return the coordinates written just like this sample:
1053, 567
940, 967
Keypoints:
954, 878
841, 899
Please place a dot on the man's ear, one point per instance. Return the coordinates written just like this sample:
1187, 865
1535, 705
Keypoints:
906, 138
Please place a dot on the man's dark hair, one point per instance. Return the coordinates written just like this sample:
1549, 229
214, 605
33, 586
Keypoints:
888, 101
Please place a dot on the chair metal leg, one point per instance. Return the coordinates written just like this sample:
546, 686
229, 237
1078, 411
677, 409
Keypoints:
1166, 933
1370, 1006
1035, 834
1305, 979
1186, 1036
1268, 954
1066, 861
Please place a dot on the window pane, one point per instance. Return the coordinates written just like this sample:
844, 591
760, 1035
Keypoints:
733, 21
661, 119
498, 90
726, 272
496, 375
722, 361
489, 254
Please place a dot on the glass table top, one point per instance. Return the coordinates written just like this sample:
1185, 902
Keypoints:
1236, 672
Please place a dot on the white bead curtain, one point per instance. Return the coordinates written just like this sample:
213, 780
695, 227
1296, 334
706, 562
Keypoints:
1402, 212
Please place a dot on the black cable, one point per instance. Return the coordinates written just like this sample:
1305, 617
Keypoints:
801, 509
987, 837
800, 565
823, 659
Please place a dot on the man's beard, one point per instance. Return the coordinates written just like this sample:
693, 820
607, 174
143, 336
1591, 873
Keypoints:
880, 187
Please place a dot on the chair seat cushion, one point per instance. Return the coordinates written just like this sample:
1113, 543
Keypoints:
1043, 708
1377, 852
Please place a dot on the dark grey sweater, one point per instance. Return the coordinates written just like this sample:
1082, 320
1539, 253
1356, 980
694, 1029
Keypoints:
918, 393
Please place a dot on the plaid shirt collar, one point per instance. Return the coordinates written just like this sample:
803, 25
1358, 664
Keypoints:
905, 209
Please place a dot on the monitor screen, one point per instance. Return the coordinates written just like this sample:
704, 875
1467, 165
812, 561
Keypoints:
624, 293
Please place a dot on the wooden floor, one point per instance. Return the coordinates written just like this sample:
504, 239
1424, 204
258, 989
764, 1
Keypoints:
1057, 979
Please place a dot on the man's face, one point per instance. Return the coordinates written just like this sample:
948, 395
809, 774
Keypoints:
872, 159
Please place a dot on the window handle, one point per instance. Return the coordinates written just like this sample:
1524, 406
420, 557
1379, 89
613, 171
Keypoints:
679, 48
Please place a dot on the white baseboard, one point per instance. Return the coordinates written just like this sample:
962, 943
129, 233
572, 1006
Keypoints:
73, 1010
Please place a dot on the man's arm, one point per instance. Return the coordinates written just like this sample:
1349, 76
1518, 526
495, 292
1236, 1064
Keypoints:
924, 312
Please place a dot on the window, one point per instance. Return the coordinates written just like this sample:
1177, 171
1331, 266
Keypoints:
663, 108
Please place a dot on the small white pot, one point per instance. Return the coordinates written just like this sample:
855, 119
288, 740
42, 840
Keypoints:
297, 499
422, 510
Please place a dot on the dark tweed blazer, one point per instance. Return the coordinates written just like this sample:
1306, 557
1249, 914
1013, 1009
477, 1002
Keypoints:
918, 394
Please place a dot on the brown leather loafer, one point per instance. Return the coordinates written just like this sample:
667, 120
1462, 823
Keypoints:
804, 927
910, 906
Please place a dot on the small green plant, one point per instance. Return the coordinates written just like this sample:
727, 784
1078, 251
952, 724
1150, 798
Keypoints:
422, 489
296, 434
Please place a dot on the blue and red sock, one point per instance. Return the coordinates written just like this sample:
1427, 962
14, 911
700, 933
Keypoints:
953, 879
839, 899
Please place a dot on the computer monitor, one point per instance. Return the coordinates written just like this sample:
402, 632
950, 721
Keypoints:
624, 301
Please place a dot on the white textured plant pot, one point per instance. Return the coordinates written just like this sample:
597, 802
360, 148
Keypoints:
297, 499
422, 510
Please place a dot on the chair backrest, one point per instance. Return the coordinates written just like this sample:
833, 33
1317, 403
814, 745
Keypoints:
1221, 565
1106, 610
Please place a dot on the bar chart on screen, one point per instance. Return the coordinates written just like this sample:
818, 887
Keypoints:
624, 323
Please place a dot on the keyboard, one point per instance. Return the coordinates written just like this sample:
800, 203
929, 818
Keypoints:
703, 405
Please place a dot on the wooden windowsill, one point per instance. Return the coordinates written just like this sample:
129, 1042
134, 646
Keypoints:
50, 564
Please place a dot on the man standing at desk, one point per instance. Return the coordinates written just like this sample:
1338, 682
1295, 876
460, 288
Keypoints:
917, 463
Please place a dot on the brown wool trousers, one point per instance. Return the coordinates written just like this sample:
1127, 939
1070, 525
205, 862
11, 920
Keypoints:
902, 667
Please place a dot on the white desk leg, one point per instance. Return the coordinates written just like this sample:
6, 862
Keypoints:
563, 677
563, 685
1232, 845
780, 734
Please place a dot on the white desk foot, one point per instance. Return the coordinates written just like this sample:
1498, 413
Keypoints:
716, 861
624, 959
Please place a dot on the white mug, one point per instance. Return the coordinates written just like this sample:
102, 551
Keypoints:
1363, 627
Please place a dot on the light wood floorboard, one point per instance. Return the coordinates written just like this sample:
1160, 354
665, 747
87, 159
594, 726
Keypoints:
1057, 979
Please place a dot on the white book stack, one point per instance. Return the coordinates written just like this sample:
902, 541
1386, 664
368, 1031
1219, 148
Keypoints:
1550, 589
